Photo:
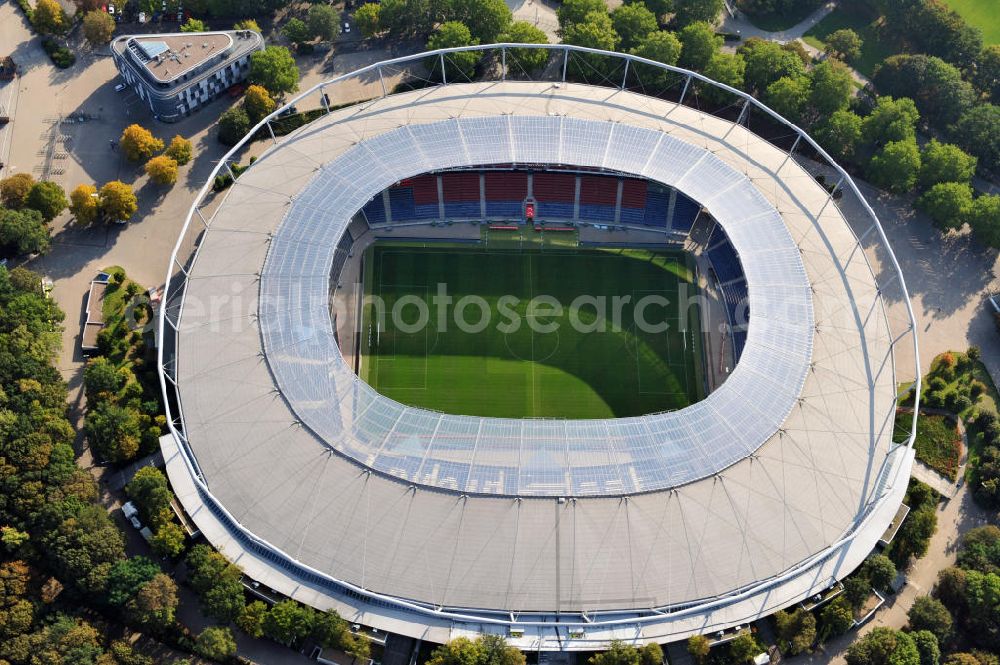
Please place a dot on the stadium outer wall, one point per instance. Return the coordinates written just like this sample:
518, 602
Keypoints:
574, 631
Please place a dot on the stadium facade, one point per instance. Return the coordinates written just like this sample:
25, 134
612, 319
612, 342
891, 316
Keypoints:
559, 534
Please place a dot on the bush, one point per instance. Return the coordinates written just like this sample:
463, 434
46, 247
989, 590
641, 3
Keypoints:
61, 56
233, 125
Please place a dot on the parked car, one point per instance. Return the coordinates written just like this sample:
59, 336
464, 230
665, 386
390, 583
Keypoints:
347, 28
132, 514
120, 87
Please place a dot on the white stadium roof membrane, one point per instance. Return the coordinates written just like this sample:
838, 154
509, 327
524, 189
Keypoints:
531, 457
651, 528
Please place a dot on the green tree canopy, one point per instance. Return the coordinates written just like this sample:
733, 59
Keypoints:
127, 576
891, 120
796, 629
788, 96
633, 23
727, 68
576, 11
927, 647
947, 203
485, 19
881, 571
987, 74
234, 123
155, 604
767, 62
458, 67
699, 45
323, 22
837, 617
14, 190
216, 643
661, 46
658, 7
832, 87
288, 622
840, 133
883, 646
296, 31
984, 218
698, 647
274, 68
935, 86
844, 44
23, 231
366, 18
523, 59
896, 167
47, 198
943, 162
930, 614
251, 620
594, 32
194, 25
978, 132
687, 12
617, 653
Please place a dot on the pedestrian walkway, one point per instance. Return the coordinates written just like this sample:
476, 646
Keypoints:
740, 24
929, 476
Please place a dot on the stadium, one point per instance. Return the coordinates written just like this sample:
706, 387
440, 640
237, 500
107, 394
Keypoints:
335, 438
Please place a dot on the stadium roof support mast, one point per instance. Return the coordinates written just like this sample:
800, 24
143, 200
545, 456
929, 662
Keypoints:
176, 286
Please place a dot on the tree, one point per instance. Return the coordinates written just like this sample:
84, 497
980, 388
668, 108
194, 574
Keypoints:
692, 11
257, 103
934, 85
48, 17
251, 620
767, 62
896, 166
837, 617
366, 19
485, 18
618, 653
883, 646
323, 22
982, 623
658, 7
942, 162
980, 548
788, 96
194, 25
797, 629
47, 198
576, 11
217, 582
247, 24
117, 201
155, 603
83, 204
528, 60
987, 74
148, 488
840, 133
948, 204
891, 120
162, 170
138, 143
962, 659
288, 622
744, 648
14, 190
844, 44
698, 647
274, 68
930, 614
403, 18
832, 87
24, 231
330, 630
927, 647
978, 132
651, 654
113, 431
633, 23
881, 571
179, 150
168, 540
594, 32
98, 26
459, 651
457, 66
296, 31
984, 218
216, 643
661, 46
127, 576
234, 123
700, 44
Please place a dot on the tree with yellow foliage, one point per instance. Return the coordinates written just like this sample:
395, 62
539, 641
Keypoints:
138, 143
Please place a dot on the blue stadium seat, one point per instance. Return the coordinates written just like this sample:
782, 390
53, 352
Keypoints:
685, 211
374, 211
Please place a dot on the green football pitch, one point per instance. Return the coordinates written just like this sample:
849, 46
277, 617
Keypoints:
584, 362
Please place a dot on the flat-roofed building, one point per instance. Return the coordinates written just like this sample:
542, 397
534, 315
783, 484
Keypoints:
177, 73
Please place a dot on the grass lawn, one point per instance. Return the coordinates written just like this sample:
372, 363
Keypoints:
873, 48
551, 369
938, 443
983, 14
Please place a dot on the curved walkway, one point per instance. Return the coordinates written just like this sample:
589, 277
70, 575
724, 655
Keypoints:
741, 24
